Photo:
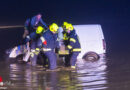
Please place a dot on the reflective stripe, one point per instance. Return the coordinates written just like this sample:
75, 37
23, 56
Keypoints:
76, 49
36, 53
73, 67
33, 50
46, 49
70, 47
32, 54
65, 37
73, 40
42, 38
37, 49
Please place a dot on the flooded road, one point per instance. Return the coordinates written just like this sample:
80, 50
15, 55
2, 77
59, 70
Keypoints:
88, 76
111, 72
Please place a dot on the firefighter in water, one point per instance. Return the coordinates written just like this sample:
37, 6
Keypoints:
30, 34
33, 37
65, 43
65, 34
73, 46
49, 42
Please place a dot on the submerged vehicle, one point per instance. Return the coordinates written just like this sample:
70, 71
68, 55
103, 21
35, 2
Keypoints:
91, 39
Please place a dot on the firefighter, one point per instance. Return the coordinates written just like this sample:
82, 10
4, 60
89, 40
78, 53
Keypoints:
49, 42
30, 27
65, 34
73, 45
32, 23
65, 43
30, 35
33, 37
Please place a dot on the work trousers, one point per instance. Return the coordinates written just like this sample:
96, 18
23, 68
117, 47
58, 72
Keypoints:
70, 60
52, 59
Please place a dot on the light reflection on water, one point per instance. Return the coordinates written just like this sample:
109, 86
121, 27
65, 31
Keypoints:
89, 76
93, 75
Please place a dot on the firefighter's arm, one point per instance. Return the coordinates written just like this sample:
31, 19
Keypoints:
44, 42
25, 33
30, 37
44, 24
26, 25
71, 44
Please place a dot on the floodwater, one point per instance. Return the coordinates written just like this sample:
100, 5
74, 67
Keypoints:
111, 72
88, 76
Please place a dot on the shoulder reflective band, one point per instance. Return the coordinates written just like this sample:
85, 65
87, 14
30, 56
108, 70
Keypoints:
73, 40
43, 40
70, 47
76, 49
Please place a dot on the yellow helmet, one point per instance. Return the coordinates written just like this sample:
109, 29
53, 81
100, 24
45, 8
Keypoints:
39, 29
69, 27
53, 27
64, 25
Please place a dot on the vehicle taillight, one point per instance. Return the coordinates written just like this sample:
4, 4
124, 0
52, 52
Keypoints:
104, 44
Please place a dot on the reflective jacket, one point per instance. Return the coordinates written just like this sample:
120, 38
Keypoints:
73, 42
51, 40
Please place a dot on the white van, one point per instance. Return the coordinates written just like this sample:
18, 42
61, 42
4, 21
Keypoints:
91, 39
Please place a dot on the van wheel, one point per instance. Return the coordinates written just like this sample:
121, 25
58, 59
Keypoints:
91, 56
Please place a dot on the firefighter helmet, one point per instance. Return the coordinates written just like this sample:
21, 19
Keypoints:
53, 27
69, 27
39, 29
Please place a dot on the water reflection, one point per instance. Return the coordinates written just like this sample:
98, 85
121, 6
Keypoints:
93, 75
89, 76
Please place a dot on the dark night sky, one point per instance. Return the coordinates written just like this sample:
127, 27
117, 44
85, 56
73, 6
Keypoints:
76, 11
113, 15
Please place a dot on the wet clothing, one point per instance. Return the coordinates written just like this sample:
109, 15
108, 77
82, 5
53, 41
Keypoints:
74, 47
52, 40
48, 48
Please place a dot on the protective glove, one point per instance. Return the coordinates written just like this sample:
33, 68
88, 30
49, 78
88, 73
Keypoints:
37, 50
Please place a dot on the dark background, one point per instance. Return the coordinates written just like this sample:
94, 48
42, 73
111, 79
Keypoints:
113, 15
